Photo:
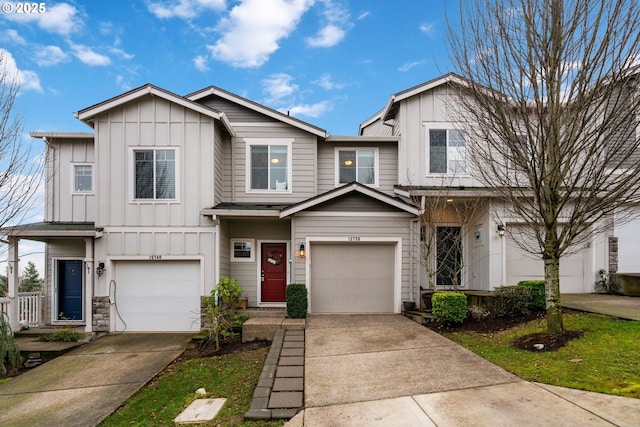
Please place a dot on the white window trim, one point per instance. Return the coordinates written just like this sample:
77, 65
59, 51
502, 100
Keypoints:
73, 179
439, 126
249, 142
232, 256
132, 174
376, 164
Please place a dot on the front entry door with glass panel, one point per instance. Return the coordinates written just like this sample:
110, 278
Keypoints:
449, 256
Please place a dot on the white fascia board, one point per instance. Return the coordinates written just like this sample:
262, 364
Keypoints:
66, 135
347, 189
227, 124
239, 212
87, 114
362, 139
259, 108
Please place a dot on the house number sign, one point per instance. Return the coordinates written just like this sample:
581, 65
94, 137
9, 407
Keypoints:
353, 238
155, 257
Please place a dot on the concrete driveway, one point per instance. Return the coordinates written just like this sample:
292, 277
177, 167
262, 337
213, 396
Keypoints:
385, 370
87, 384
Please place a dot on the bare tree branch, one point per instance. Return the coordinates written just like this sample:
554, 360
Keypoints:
555, 137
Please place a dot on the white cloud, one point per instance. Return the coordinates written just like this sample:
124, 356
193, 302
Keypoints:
363, 15
61, 18
254, 28
49, 55
278, 87
310, 110
28, 80
427, 27
334, 31
327, 37
325, 82
200, 62
15, 37
88, 56
409, 65
184, 9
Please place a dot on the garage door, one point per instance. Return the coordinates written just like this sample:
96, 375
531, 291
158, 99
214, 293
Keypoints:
158, 296
348, 278
524, 266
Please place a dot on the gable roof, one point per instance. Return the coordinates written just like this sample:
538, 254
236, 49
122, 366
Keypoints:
345, 189
87, 114
213, 90
392, 105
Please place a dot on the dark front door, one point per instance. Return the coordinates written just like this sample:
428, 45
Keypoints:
274, 272
449, 256
69, 290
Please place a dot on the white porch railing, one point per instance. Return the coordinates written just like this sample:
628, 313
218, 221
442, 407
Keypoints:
30, 306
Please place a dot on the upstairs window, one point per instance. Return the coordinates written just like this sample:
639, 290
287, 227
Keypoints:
446, 148
82, 178
155, 174
357, 165
269, 166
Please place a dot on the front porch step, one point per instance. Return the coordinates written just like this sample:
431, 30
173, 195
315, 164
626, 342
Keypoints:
264, 328
419, 316
265, 312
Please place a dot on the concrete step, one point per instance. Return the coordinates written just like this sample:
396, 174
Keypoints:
264, 328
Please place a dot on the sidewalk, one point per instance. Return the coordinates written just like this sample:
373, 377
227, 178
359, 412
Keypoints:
612, 305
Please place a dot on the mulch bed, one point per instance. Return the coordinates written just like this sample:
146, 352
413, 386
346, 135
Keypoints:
492, 323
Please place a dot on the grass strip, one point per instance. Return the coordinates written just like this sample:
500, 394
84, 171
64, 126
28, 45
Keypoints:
232, 376
606, 359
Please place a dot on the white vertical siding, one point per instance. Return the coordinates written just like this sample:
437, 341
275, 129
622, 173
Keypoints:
153, 122
62, 204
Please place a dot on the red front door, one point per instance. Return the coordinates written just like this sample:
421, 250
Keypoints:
274, 272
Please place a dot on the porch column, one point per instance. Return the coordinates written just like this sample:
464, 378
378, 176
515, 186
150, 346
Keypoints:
13, 283
88, 288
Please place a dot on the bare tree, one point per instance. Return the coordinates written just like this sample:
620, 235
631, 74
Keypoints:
551, 107
20, 173
445, 222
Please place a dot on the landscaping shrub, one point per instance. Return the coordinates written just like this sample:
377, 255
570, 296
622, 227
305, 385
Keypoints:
297, 300
449, 307
510, 301
9, 351
221, 310
536, 287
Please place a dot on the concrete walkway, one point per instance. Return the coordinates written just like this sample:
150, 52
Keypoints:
612, 305
83, 386
385, 370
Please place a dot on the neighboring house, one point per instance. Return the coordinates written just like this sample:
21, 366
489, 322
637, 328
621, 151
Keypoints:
169, 193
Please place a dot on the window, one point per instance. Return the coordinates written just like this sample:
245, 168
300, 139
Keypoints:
446, 151
242, 250
357, 165
269, 165
82, 178
155, 174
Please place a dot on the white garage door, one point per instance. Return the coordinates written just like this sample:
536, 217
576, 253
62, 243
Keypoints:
159, 296
524, 266
352, 278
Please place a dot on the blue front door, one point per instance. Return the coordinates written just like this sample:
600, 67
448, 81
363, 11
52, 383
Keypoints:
69, 290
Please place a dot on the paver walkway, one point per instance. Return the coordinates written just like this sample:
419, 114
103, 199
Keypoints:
280, 390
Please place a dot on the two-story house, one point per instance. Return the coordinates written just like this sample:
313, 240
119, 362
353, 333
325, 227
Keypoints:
169, 193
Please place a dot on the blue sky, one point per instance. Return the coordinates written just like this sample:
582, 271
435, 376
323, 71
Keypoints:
332, 63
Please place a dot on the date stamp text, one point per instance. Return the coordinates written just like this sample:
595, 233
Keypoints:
24, 8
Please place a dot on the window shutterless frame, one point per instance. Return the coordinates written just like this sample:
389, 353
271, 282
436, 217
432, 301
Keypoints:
82, 180
359, 164
268, 165
154, 174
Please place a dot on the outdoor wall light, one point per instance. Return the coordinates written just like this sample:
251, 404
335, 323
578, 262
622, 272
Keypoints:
301, 252
500, 230
100, 268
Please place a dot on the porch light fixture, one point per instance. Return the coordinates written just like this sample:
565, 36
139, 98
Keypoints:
100, 269
301, 252
500, 230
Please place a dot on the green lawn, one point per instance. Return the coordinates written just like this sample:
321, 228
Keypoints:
232, 376
605, 359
